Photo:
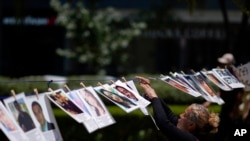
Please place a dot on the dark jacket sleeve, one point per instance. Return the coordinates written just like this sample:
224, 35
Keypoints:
166, 121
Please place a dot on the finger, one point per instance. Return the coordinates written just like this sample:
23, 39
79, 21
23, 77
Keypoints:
143, 80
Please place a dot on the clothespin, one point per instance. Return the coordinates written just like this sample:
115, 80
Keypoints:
13, 94
82, 85
68, 89
123, 78
51, 90
162, 75
99, 84
182, 72
171, 73
36, 92
125, 81
204, 69
192, 71
112, 81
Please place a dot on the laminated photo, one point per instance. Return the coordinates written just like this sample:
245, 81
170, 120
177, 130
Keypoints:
192, 80
203, 83
10, 127
180, 78
209, 75
172, 82
113, 95
60, 99
143, 102
125, 90
97, 108
17, 105
42, 110
88, 120
228, 78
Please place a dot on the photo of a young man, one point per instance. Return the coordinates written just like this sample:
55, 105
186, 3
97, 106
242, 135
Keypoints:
45, 125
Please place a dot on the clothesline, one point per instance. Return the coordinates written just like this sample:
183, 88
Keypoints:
68, 80
57, 80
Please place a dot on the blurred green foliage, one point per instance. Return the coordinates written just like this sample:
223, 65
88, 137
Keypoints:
97, 37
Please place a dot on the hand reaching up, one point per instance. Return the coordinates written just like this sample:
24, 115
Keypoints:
145, 84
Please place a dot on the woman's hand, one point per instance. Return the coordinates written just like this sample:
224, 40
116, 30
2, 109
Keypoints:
145, 84
143, 80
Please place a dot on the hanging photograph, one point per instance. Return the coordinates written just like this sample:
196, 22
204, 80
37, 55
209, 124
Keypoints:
172, 82
96, 106
18, 108
143, 102
126, 91
113, 95
42, 110
181, 79
192, 80
207, 88
228, 78
9, 126
88, 120
60, 99
209, 75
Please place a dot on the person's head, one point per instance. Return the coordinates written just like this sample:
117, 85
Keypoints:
226, 60
38, 112
198, 119
125, 92
90, 99
17, 106
6, 120
111, 95
2, 114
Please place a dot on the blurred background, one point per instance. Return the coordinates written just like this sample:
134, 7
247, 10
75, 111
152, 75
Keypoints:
119, 37
76, 38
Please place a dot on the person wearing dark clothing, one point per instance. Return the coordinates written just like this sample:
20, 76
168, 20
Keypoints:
24, 119
192, 125
230, 113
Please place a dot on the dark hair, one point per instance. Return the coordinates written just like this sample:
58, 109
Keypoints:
34, 103
126, 102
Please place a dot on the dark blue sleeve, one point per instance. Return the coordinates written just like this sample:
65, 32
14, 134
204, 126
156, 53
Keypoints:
166, 121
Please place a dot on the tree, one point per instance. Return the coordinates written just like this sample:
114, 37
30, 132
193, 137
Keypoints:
97, 38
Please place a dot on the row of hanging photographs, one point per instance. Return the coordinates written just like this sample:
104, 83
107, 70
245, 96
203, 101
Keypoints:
198, 83
30, 117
